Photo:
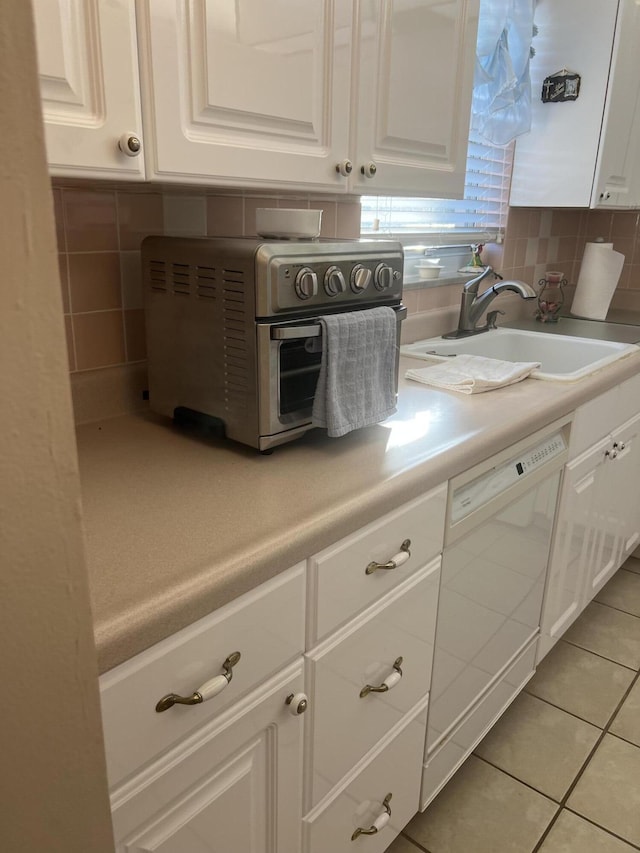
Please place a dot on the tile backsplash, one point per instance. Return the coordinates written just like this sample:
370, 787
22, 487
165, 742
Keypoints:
554, 239
100, 227
99, 230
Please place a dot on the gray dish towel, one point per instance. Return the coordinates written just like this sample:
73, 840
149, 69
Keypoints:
357, 381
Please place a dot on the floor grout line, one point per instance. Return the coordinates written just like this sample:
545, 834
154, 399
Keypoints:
414, 842
611, 660
603, 828
618, 609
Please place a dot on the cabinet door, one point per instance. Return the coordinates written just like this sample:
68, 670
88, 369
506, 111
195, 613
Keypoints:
412, 96
88, 66
554, 163
247, 93
584, 544
625, 470
617, 182
236, 785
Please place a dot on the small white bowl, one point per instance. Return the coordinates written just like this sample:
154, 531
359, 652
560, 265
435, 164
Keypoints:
288, 223
428, 262
428, 271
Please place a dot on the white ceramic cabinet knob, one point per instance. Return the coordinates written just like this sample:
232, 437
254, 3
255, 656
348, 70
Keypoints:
297, 702
130, 144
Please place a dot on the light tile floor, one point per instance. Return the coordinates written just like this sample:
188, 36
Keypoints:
560, 771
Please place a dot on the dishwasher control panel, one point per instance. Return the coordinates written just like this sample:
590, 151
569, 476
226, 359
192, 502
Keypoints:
470, 496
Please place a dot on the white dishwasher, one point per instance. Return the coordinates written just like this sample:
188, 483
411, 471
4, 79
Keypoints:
497, 541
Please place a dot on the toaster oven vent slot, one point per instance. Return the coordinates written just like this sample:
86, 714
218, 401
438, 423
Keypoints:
157, 271
233, 276
206, 282
181, 279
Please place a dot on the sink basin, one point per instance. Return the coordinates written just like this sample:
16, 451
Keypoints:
563, 358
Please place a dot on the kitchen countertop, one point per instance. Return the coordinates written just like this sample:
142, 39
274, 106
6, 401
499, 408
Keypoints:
177, 525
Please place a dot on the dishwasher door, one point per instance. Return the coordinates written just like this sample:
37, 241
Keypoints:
493, 576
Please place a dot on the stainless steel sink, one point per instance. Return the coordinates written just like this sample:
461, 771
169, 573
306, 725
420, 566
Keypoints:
563, 358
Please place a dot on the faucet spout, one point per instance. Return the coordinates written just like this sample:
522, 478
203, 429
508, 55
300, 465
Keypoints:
473, 306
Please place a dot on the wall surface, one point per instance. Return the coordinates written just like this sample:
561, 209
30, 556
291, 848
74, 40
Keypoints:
100, 228
53, 794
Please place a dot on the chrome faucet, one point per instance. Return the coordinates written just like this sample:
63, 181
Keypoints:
473, 306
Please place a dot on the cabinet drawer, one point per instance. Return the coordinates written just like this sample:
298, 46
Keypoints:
265, 625
346, 725
339, 587
394, 769
444, 761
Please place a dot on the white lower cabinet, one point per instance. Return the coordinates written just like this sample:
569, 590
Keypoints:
380, 797
598, 520
234, 785
389, 646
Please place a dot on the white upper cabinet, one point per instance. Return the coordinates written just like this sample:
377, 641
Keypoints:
413, 79
89, 85
246, 93
583, 153
325, 94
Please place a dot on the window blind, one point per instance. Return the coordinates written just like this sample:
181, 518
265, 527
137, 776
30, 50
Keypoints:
480, 216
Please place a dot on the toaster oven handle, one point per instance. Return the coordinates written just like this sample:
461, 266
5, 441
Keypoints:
285, 333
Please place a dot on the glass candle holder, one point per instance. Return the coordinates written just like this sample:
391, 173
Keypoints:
550, 297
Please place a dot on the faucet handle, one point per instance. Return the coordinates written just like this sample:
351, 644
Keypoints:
492, 317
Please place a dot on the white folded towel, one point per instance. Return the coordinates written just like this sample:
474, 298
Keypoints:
357, 382
473, 374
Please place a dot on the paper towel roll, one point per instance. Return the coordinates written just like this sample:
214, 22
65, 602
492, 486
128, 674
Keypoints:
599, 275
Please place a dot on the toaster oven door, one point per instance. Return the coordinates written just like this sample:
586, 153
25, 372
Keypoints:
289, 358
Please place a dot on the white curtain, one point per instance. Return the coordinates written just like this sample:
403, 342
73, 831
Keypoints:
501, 107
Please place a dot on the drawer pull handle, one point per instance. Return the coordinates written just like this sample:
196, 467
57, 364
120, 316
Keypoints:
379, 823
390, 681
208, 690
401, 557
297, 702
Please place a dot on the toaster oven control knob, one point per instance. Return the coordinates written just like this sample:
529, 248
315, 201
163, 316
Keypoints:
360, 278
306, 283
334, 282
383, 276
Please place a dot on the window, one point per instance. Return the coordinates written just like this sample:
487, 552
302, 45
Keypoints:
479, 217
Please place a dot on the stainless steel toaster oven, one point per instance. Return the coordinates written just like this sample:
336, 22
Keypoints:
233, 331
